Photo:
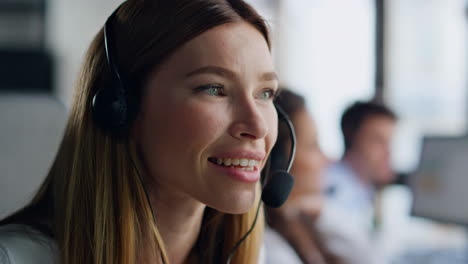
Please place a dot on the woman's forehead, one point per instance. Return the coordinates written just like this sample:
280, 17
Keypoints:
235, 46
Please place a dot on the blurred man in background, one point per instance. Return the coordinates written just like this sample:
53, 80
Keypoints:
368, 129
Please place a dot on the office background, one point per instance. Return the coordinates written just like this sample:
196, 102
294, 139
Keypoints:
409, 54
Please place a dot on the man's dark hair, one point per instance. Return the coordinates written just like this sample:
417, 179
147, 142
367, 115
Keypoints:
355, 115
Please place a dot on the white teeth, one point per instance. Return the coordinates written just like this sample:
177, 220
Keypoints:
244, 162
247, 163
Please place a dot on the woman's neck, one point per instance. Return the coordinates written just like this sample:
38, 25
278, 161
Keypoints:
179, 220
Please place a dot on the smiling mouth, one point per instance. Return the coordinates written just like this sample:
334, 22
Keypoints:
235, 163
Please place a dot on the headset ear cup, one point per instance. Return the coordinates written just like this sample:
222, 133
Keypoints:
276, 191
110, 108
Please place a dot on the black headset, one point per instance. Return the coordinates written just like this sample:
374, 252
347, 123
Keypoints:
114, 108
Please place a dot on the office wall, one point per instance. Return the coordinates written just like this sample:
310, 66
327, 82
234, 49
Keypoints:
31, 128
32, 124
71, 25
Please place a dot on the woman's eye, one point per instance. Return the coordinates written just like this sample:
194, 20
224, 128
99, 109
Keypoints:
212, 90
267, 94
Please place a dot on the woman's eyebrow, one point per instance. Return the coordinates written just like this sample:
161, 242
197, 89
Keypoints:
267, 76
213, 70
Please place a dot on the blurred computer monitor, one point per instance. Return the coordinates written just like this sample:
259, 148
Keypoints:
440, 183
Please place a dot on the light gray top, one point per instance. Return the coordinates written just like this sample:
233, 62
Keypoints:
20, 244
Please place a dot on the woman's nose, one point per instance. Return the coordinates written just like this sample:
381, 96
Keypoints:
249, 120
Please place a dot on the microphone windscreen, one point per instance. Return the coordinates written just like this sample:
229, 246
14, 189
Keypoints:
277, 189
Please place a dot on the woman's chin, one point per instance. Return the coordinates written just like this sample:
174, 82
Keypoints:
235, 205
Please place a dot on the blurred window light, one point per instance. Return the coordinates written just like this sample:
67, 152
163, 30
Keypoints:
327, 53
426, 71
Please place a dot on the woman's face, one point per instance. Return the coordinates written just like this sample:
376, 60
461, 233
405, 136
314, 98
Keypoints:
207, 120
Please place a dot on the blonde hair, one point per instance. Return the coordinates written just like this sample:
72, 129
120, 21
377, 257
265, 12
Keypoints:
92, 201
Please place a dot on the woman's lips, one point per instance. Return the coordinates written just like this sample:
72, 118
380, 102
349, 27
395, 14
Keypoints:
237, 172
